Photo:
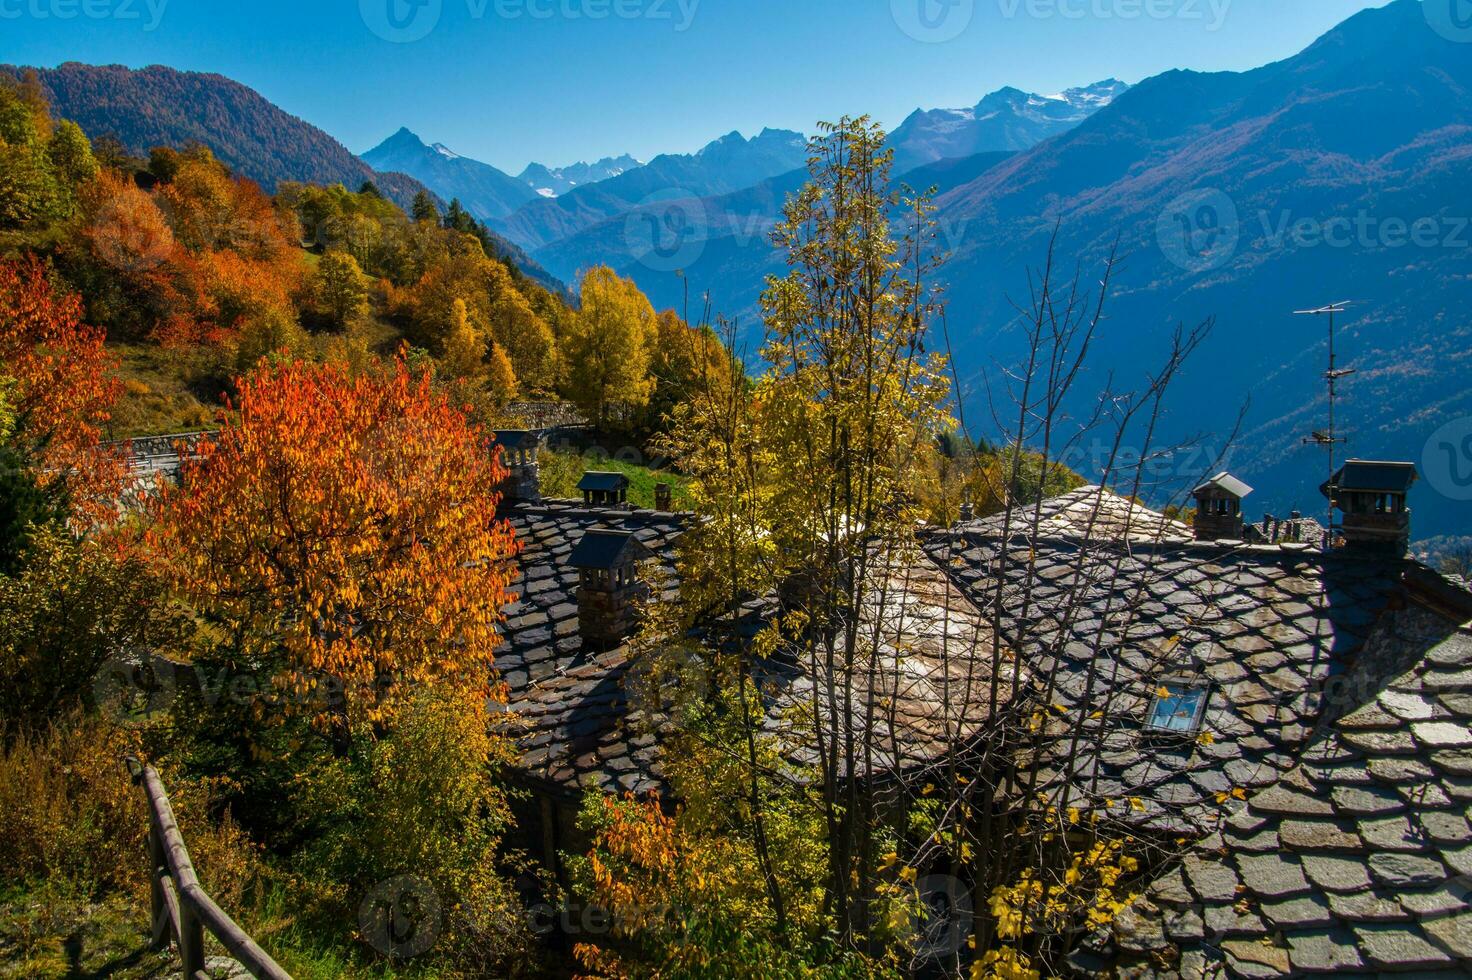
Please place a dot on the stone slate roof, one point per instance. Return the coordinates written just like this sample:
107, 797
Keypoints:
565, 699
1269, 628
929, 680
1089, 512
1357, 862
578, 730
581, 721
1341, 704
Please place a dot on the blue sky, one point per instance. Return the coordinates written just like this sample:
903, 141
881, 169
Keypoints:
509, 81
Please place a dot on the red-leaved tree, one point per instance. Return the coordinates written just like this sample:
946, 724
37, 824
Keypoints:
64, 385
341, 533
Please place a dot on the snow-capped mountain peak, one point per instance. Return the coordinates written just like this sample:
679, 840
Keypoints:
1007, 119
556, 181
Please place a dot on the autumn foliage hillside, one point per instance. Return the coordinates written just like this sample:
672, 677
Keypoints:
193, 273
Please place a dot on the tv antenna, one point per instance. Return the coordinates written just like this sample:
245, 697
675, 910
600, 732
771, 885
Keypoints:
1329, 439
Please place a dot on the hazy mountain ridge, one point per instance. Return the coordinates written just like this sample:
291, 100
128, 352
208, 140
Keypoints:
1002, 122
728, 164
721, 226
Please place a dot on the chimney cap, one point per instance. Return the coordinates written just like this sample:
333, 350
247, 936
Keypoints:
1225, 482
603, 482
518, 438
601, 549
1373, 476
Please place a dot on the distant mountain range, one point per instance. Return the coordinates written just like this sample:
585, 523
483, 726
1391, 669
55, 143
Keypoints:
556, 181
1008, 119
486, 192
565, 215
728, 164
569, 230
1243, 196
1339, 173
943, 148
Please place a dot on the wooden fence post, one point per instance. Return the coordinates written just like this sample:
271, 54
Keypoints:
179, 907
158, 870
191, 941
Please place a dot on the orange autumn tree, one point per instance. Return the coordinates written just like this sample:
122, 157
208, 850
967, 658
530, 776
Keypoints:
63, 385
340, 535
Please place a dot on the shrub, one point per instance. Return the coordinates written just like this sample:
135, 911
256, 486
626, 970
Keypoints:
68, 810
70, 606
423, 802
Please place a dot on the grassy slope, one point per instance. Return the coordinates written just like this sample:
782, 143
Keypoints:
49, 934
562, 471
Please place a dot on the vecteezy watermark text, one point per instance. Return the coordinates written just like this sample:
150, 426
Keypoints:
1203, 230
1210, 13
151, 12
938, 21
406, 21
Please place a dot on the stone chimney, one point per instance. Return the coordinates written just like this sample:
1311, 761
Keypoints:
968, 512
519, 449
609, 590
1371, 496
1219, 508
664, 498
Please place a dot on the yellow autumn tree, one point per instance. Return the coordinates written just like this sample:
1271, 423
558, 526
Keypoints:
340, 290
607, 347
501, 383
465, 347
527, 338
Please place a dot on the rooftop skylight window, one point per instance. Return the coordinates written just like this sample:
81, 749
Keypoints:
1179, 706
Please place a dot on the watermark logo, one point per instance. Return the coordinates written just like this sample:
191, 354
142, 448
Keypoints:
944, 919
1447, 460
667, 231
1200, 230
130, 240
401, 21
933, 21
134, 687
1366, 231
149, 12
1452, 19
401, 918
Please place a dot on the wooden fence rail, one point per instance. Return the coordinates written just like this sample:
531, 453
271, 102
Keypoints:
180, 906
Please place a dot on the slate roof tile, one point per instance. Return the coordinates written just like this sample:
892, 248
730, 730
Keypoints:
1395, 876
1324, 951
1399, 948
